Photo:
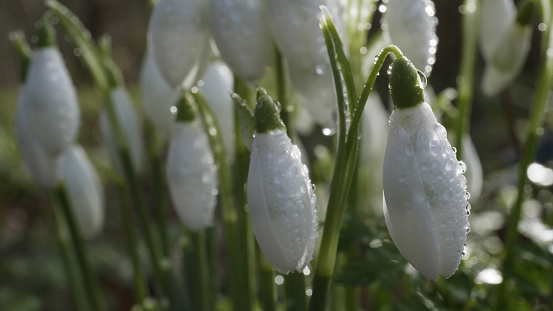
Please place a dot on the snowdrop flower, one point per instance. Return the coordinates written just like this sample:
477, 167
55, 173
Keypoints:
217, 83
157, 97
191, 173
178, 38
505, 42
85, 191
52, 109
242, 35
130, 127
281, 201
411, 25
42, 167
296, 31
424, 187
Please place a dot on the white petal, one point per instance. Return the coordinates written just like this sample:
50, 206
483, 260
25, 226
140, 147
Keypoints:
43, 168
411, 25
177, 35
242, 34
130, 126
191, 175
474, 174
496, 16
52, 107
157, 97
218, 81
281, 202
85, 191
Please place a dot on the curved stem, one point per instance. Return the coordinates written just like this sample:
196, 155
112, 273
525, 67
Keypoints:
545, 80
286, 108
465, 84
200, 264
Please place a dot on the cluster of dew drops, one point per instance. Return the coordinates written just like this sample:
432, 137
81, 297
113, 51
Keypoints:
462, 169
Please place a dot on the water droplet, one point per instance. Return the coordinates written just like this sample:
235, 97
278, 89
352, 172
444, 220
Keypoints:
435, 147
462, 167
279, 280
328, 132
409, 150
422, 78
278, 179
467, 195
319, 70
454, 149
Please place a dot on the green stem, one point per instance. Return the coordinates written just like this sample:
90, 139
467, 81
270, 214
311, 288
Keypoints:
226, 199
69, 260
345, 163
287, 108
545, 80
267, 283
22, 49
140, 286
246, 250
294, 287
200, 264
89, 278
465, 86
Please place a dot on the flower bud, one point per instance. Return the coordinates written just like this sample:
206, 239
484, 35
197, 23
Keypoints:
242, 35
130, 127
411, 25
218, 82
42, 167
53, 112
85, 191
157, 97
424, 187
192, 175
178, 38
281, 201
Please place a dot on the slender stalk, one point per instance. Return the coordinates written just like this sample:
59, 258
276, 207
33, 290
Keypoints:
545, 80
245, 235
465, 84
69, 260
267, 283
200, 264
89, 278
346, 161
140, 286
230, 217
294, 287
286, 108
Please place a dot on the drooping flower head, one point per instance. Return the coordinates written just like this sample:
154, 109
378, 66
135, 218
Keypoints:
281, 201
424, 187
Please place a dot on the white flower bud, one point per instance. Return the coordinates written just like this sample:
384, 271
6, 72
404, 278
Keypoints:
218, 82
53, 113
296, 31
504, 43
178, 37
85, 191
130, 127
42, 167
425, 193
157, 96
192, 175
242, 35
411, 25
281, 202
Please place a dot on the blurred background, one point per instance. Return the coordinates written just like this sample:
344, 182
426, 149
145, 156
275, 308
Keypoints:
31, 273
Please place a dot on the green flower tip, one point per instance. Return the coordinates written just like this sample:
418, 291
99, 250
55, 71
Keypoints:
46, 33
261, 91
186, 109
405, 85
525, 13
267, 114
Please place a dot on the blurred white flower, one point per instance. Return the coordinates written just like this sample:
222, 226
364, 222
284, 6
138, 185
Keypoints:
217, 83
52, 108
178, 38
130, 128
411, 25
85, 191
157, 97
505, 42
242, 35
281, 201
425, 190
192, 175
43, 168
